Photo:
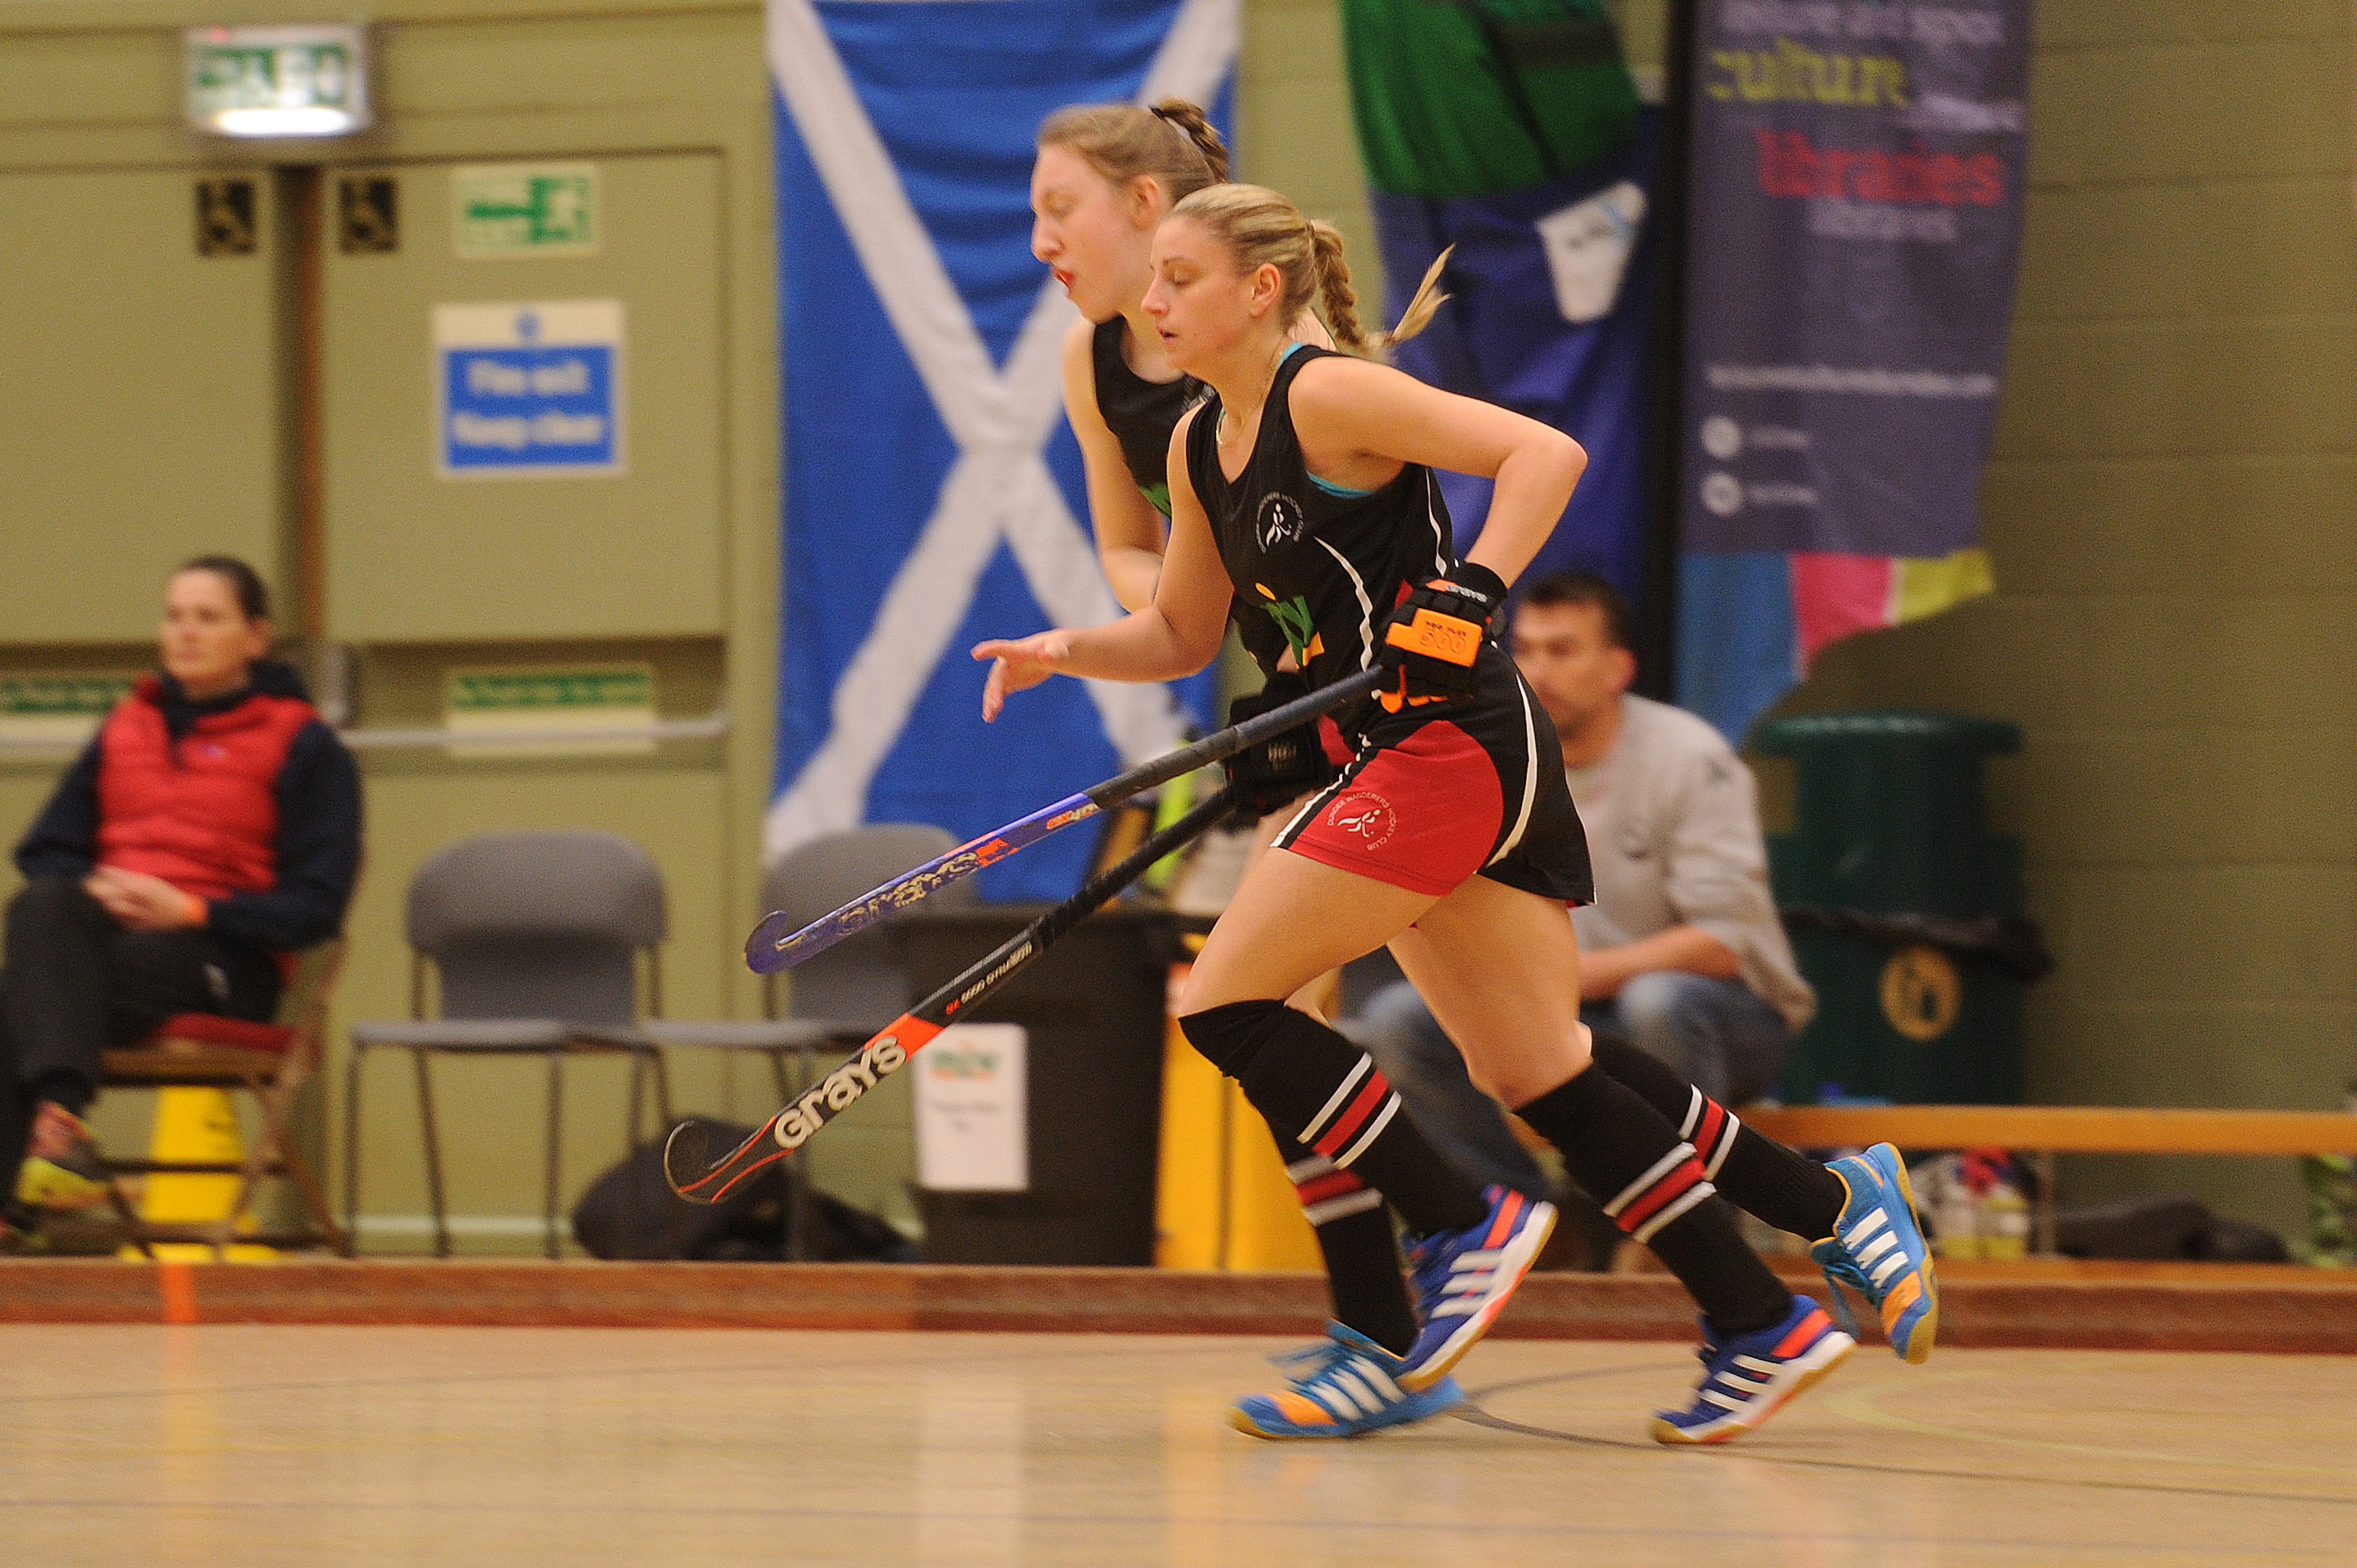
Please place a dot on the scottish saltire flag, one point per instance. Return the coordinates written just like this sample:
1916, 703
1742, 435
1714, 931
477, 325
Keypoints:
933, 491
1854, 221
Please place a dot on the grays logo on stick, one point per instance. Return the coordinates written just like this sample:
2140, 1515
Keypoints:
839, 1091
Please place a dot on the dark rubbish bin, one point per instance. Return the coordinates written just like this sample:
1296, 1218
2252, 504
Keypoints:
1092, 1010
1905, 912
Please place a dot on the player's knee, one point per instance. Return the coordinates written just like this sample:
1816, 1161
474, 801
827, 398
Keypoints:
1232, 1034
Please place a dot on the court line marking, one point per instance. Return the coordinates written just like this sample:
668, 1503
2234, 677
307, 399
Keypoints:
1476, 1416
1858, 1403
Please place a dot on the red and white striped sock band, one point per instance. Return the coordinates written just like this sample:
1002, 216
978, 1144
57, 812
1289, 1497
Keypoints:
1355, 1116
1674, 1184
1711, 1128
1328, 1192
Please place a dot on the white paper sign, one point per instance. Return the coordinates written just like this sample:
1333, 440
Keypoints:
972, 1130
1587, 245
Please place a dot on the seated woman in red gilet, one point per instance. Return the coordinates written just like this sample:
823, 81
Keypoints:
210, 829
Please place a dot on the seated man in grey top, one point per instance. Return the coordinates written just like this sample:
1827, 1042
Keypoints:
1681, 954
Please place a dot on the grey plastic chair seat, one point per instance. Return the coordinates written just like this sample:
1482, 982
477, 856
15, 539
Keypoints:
756, 1034
467, 1034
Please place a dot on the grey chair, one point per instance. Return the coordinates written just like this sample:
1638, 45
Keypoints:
837, 998
539, 943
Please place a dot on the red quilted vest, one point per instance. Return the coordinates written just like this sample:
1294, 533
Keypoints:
202, 813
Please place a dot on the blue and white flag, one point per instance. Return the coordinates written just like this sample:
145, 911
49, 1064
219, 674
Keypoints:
933, 493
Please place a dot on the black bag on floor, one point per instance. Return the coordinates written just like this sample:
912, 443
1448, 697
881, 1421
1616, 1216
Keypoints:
2162, 1226
631, 1212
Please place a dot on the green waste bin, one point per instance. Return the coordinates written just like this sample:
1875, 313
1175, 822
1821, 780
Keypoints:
1888, 844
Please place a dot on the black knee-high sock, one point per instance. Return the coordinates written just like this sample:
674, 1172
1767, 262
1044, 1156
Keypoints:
1319, 1089
1755, 1173
1632, 1161
1354, 1233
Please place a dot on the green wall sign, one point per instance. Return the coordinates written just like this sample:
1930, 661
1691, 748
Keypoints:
63, 707
500, 210
514, 702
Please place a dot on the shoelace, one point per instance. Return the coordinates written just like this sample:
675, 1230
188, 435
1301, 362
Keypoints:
1344, 1379
1307, 1361
1837, 1274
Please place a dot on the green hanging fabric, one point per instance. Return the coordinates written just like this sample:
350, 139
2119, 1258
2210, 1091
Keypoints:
1464, 97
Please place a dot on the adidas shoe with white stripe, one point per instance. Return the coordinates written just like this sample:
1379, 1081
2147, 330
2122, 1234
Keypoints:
1345, 1387
1877, 1248
1749, 1377
1461, 1280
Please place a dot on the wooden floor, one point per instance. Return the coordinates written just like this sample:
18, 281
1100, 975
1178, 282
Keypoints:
193, 1447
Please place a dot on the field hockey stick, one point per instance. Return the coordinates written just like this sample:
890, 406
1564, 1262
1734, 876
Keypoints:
683, 1155
771, 948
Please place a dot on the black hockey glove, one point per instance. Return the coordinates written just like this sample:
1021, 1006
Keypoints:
1281, 769
1434, 636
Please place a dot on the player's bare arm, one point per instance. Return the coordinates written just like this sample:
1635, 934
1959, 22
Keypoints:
1359, 423
1129, 532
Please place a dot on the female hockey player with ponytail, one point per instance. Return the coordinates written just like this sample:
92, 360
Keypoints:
1107, 174
1301, 496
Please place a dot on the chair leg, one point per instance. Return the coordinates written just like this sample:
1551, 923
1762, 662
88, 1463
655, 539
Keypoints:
249, 1176
277, 1101
797, 1174
638, 1095
555, 1128
351, 1237
315, 1199
133, 1228
662, 1093
433, 1155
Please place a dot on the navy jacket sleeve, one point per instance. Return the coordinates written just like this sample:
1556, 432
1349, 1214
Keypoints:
318, 791
63, 839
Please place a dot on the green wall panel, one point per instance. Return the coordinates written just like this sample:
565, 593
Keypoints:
413, 556
2173, 520
139, 398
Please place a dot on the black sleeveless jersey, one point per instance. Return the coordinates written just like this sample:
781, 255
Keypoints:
1140, 413
1313, 571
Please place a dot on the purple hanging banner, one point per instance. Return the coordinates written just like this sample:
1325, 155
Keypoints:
1857, 196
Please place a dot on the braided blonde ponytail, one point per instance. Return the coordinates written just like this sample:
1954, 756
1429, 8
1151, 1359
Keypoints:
1261, 228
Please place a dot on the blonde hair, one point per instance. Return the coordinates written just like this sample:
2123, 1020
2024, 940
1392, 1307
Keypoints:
1174, 143
1261, 228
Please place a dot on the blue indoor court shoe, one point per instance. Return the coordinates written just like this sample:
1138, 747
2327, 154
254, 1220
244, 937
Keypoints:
1877, 1248
1345, 1387
1747, 1378
1461, 1280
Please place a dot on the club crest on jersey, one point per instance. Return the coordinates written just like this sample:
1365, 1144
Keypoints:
1281, 522
1365, 816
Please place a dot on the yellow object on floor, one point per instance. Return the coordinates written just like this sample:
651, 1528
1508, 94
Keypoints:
194, 1125
1223, 1201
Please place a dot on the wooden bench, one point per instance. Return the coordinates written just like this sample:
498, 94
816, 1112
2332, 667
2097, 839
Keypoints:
2044, 1130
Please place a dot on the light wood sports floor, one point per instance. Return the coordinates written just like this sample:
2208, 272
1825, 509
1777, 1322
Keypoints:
204, 1448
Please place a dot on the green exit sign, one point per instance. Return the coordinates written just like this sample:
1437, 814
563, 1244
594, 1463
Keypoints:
525, 210
278, 81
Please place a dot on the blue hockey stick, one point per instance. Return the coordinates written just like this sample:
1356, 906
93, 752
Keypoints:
772, 948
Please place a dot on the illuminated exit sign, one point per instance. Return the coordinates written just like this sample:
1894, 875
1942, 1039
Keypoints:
278, 81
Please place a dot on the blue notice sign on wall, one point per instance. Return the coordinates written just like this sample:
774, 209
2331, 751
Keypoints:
528, 389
